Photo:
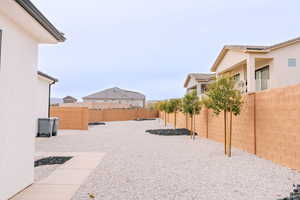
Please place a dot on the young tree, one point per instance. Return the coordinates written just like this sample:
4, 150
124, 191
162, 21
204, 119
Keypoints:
173, 106
222, 96
191, 106
162, 106
157, 108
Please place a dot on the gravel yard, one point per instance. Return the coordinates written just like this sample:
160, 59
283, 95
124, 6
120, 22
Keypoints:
142, 166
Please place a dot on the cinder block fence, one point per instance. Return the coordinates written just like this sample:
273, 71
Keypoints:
269, 125
77, 118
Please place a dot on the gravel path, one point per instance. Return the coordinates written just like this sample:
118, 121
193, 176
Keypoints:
141, 166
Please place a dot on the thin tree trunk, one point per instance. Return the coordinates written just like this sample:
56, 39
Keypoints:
175, 119
225, 127
186, 121
230, 133
165, 119
194, 127
191, 126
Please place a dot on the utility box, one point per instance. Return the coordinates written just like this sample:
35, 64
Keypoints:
45, 127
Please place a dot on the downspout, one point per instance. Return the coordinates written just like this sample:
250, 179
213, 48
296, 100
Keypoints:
49, 98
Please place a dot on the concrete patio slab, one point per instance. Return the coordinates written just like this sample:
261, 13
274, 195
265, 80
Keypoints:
48, 192
66, 176
83, 162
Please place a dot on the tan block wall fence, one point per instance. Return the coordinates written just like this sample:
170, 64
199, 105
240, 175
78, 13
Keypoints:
77, 118
107, 115
269, 125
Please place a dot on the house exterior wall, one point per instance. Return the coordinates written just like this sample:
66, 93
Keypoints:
136, 103
281, 74
42, 98
193, 83
231, 58
18, 80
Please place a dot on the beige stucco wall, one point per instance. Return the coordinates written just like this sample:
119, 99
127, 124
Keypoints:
241, 69
232, 57
193, 83
42, 97
18, 80
281, 74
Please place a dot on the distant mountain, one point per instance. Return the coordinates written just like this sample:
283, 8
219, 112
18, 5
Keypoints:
56, 101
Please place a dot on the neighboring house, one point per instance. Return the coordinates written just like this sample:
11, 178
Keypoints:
258, 68
44, 93
150, 102
198, 82
69, 99
22, 29
56, 101
117, 95
97, 105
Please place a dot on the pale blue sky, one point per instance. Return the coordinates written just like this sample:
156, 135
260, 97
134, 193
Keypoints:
151, 45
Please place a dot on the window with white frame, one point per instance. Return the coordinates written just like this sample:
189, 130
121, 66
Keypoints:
262, 76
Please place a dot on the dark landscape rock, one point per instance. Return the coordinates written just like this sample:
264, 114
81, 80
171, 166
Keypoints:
143, 119
51, 161
295, 194
169, 132
96, 123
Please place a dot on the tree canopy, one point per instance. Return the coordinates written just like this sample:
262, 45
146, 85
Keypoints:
173, 105
222, 96
191, 104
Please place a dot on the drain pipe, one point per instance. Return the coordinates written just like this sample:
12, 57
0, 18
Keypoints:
49, 98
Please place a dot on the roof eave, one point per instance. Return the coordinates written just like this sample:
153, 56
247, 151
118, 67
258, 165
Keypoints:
54, 80
29, 7
186, 81
257, 51
219, 58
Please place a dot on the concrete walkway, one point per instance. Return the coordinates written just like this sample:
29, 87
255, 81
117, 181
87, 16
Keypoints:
64, 181
140, 166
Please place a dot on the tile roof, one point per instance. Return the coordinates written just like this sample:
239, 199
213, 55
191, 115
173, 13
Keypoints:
97, 105
115, 93
199, 77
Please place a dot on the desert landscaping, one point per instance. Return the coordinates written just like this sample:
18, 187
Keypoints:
139, 165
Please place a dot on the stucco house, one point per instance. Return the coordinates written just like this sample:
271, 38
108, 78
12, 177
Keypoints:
45, 82
97, 105
22, 29
119, 96
69, 99
198, 82
257, 68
